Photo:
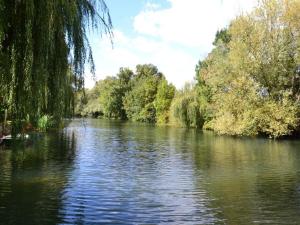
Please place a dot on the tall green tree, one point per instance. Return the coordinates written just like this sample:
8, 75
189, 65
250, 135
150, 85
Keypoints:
252, 78
164, 96
44, 49
139, 102
112, 92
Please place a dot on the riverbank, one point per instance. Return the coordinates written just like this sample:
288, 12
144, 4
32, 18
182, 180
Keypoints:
294, 136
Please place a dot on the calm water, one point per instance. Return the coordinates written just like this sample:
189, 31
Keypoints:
106, 172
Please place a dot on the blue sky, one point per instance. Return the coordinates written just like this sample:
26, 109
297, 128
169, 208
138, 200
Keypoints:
171, 34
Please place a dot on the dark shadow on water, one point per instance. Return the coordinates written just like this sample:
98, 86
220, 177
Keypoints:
32, 177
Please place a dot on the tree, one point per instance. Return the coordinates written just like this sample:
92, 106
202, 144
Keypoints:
125, 75
252, 80
144, 96
87, 102
222, 36
139, 102
111, 93
164, 96
147, 70
43, 52
106, 97
185, 108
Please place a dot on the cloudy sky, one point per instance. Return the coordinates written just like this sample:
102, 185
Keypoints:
171, 34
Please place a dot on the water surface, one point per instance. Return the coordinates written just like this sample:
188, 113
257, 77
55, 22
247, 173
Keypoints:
108, 172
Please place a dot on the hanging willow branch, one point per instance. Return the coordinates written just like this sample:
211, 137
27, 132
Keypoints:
43, 52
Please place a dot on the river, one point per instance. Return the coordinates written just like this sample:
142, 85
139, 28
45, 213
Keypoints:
110, 172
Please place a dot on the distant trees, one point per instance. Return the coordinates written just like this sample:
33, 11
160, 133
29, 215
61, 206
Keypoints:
141, 96
144, 96
87, 102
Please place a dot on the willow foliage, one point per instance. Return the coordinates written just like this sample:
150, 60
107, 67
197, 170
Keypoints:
185, 108
43, 52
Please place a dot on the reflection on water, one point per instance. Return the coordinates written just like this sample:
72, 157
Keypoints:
32, 179
107, 172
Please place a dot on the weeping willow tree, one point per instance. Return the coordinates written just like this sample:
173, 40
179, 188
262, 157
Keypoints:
43, 53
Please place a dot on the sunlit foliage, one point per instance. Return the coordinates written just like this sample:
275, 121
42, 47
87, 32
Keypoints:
142, 96
250, 82
164, 96
139, 102
185, 108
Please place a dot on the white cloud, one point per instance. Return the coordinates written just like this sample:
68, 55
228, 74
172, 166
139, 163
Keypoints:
191, 23
173, 39
175, 63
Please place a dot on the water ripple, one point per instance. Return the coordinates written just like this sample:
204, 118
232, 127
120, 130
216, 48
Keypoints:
123, 173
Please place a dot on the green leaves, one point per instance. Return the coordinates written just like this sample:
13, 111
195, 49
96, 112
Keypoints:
45, 122
142, 96
139, 102
162, 102
186, 109
249, 85
44, 47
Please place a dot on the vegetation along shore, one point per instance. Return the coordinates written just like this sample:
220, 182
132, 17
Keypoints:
248, 85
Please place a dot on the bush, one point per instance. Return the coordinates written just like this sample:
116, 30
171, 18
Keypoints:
241, 111
45, 122
163, 100
185, 109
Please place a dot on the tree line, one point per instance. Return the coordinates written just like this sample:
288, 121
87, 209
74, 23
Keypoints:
249, 84
144, 95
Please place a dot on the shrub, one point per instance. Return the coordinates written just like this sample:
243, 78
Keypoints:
45, 122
